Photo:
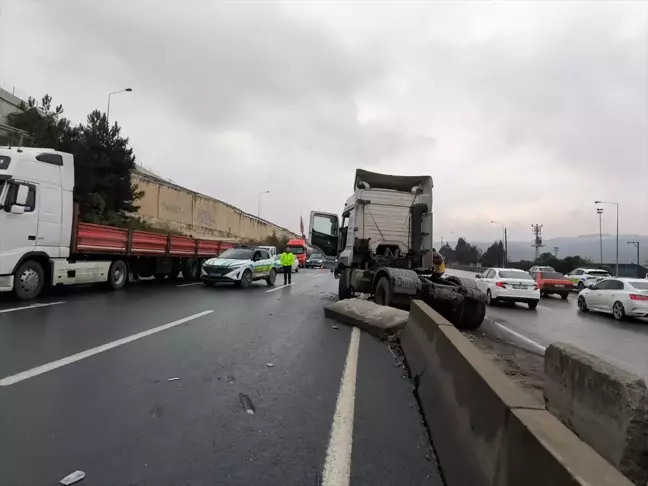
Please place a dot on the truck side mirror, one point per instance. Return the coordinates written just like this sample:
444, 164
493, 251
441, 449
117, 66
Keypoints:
16, 209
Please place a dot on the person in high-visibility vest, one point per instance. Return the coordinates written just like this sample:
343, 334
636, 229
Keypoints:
438, 262
287, 259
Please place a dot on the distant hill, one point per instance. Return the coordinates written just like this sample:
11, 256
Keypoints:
584, 246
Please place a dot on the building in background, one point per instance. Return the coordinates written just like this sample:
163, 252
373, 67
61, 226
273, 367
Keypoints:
10, 103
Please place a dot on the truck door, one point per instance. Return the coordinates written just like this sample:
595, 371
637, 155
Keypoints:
19, 223
49, 219
324, 232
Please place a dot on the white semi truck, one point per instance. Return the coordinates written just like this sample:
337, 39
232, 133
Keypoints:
384, 248
42, 243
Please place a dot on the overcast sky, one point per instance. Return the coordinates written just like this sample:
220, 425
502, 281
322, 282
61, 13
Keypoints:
522, 112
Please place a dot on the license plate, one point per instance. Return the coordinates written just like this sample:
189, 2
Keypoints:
520, 287
559, 285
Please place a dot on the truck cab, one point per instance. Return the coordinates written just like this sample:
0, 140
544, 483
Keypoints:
36, 200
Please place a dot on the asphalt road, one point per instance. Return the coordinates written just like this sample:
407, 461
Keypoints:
621, 343
85, 383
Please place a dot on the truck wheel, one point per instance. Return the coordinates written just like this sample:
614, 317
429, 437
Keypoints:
471, 315
246, 280
29, 280
189, 270
343, 289
383, 292
117, 275
271, 278
160, 276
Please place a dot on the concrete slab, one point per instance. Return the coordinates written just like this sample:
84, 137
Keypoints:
375, 319
605, 406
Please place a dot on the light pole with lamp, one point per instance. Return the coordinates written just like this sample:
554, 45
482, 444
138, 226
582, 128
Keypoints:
617, 231
636, 243
259, 202
599, 211
505, 241
109, 95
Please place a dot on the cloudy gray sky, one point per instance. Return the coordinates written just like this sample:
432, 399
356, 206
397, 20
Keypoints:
522, 112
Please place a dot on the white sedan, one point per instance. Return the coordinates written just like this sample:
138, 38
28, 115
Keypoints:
617, 296
509, 285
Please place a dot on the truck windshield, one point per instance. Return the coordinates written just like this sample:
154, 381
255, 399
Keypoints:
297, 250
237, 254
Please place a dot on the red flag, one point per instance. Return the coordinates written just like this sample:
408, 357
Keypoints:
301, 225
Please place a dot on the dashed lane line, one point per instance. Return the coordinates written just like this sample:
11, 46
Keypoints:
189, 284
39, 370
33, 306
280, 287
337, 466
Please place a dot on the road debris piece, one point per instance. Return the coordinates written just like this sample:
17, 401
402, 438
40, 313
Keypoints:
246, 401
75, 477
269, 365
334, 327
173, 379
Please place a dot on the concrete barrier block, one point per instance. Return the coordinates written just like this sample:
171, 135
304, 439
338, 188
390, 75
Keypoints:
466, 399
604, 405
538, 450
375, 319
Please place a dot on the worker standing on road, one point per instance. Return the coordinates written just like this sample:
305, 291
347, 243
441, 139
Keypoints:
438, 263
287, 260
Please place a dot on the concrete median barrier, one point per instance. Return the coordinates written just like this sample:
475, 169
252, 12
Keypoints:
604, 405
486, 430
375, 319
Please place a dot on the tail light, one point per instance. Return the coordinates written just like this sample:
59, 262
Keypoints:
537, 287
500, 284
638, 297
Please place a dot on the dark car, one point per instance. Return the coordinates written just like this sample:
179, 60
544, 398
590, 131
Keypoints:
315, 261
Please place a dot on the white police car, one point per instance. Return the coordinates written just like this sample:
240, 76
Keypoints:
582, 277
241, 266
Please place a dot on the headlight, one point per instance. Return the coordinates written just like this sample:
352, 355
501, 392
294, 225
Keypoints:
202, 271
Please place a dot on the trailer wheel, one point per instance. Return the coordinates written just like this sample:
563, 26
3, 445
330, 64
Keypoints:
189, 270
160, 276
471, 315
117, 275
343, 289
383, 293
29, 280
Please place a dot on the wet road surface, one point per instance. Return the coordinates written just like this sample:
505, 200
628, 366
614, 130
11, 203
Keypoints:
107, 406
623, 343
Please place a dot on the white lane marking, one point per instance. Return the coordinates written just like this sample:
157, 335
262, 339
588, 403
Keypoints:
39, 370
337, 466
189, 284
33, 306
530, 342
280, 287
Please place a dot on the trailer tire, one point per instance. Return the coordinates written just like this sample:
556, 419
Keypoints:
343, 289
117, 275
471, 315
29, 280
383, 295
160, 276
189, 270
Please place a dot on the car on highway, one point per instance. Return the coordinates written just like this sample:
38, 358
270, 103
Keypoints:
553, 283
540, 268
316, 260
620, 297
582, 277
240, 265
278, 267
509, 285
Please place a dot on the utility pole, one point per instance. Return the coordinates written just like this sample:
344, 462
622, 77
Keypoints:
617, 233
636, 243
259, 202
556, 250
109, 95
599, 211
537, 240
505, 241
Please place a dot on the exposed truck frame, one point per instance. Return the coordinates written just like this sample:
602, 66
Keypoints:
384, 248
42, 243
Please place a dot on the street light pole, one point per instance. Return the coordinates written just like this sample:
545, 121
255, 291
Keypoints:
617, 231
109, 95
505, 242
599, 211
259, 202
636, 243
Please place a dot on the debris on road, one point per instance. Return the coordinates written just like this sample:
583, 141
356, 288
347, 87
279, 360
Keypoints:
246, 401
270, 365
173, 379
334, 327
75, 477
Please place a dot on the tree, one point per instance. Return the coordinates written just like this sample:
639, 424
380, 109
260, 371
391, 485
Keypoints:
447, 252
466, 253
494, 255
103, 160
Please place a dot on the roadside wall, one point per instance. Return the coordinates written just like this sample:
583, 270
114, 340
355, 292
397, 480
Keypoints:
486, 430
167, 205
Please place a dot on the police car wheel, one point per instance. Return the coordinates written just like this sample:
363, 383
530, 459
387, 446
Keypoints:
246, 279
271, 278
581, 286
